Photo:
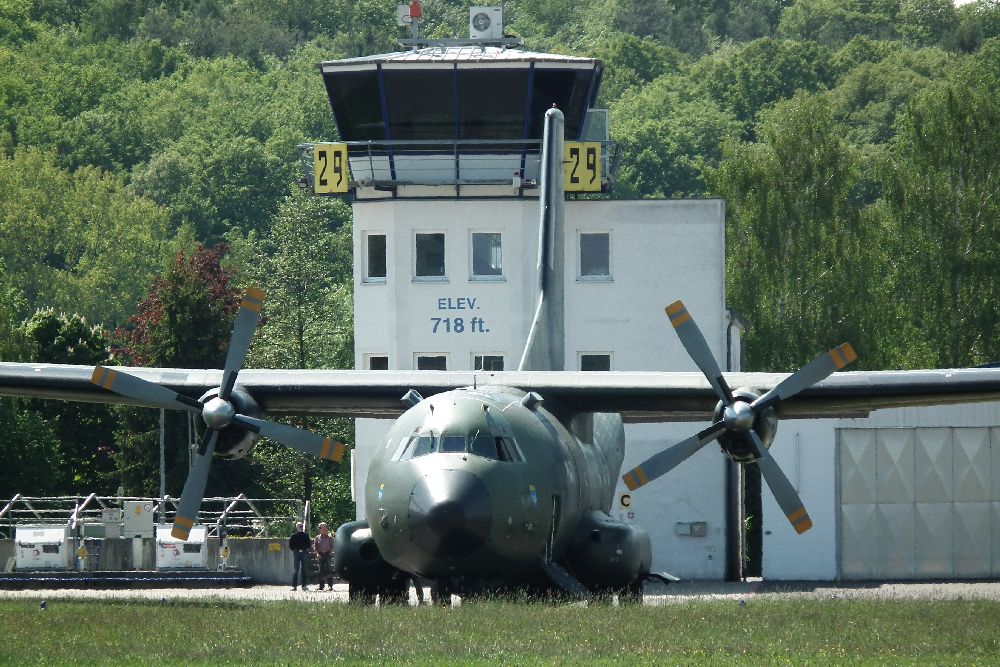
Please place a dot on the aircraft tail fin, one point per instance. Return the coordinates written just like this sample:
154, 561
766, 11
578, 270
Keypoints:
544, 348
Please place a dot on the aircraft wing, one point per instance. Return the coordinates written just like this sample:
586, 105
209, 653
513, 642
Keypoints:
639, 397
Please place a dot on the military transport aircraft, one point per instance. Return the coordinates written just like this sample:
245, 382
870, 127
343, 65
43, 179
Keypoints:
492, 481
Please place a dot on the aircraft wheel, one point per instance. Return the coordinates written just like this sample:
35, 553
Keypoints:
631, 594
358, 594
396, 593
441, 593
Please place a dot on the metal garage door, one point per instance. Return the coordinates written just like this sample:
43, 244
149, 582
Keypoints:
919, 503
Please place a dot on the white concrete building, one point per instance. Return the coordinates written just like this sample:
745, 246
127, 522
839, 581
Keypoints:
624, 262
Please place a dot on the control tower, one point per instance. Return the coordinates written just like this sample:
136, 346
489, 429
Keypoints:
466, 118
440, 150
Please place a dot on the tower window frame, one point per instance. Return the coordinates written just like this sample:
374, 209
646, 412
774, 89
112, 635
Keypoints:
429, 257
486, 255
598, 362
430, 361
376, 257
594, 256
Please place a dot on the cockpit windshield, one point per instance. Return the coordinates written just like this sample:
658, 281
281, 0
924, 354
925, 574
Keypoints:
478, 443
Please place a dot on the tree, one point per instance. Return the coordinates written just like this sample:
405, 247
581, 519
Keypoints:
83, 432
943, 200
749, 78
927, 22
13, 345
669, 142
834, 22
77, 242
304, 267
798, 261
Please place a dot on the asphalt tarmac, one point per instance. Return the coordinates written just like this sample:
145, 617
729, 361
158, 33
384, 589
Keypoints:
656, 594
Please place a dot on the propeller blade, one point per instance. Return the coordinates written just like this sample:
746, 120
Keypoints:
194, 487
665, 461
788, 499
131, 386
697, 348
815, 371
297, 438
246, 323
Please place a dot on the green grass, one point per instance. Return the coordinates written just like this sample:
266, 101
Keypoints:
764, 631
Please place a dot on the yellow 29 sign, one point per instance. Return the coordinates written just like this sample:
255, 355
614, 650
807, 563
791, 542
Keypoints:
330, 171
582, 166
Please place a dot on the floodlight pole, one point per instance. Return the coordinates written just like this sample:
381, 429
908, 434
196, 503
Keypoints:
163, 463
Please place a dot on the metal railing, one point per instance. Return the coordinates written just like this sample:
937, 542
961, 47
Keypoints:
249, 517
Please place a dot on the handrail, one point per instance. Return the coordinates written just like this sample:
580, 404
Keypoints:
79, 508
17, 496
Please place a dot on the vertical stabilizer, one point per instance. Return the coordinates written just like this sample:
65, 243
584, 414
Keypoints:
544, 349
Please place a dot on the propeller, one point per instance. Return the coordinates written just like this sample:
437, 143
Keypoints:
737, 416
219, 412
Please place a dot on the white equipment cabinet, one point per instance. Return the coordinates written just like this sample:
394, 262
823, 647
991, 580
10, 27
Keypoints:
172, 554
40, 548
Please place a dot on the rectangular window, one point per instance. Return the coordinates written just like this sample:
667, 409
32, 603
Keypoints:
375, 267
378, 362
429, 255
591, 361
487, 255
432, 362
595, 255
488, 362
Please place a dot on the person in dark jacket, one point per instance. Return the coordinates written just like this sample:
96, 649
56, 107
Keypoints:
299, 543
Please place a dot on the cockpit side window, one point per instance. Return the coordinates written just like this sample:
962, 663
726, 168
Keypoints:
424, 444
483, 444
414, 446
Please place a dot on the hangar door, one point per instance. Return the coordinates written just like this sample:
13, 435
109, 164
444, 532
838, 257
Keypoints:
919, 503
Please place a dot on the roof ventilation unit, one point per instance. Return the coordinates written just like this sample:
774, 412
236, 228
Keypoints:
486, 22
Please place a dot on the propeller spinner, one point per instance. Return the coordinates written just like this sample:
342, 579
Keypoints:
737, 416
218, 412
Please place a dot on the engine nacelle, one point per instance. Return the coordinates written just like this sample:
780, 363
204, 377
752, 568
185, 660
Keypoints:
734, 445
234, 442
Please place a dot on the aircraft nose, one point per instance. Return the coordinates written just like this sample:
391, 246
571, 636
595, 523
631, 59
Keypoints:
450, 513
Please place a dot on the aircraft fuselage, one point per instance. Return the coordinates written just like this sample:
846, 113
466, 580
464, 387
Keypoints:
478, 486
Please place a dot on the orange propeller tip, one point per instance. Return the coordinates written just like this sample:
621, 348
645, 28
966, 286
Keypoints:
674, 308
255, 293
848, 352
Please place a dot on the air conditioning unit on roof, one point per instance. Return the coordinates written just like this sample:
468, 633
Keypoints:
486, 22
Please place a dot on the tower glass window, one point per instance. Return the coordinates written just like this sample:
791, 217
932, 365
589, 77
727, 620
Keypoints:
492, 103
488, 362
355, 100
487, 255
595, 255
421, 103
429, 255
378, 362
595, 362
432, 362
375, 267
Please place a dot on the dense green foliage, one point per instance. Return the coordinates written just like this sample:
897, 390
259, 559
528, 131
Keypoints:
854, 142
214, 632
